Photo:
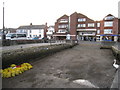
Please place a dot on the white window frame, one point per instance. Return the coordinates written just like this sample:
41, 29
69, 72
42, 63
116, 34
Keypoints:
98, 31
109, 18
91, 24
108, 31
62, 31
63, 21
63, 26
81, 25
39, 31
98, 24
108, 24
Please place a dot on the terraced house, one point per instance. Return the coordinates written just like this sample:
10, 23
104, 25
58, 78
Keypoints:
109, 28
33, 31
61, 28
119, 30
82, 27
79, 27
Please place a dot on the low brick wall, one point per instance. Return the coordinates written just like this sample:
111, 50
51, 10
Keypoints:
29, 54
116, 52
113, 46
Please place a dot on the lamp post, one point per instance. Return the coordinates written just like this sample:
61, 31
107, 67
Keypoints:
3, 34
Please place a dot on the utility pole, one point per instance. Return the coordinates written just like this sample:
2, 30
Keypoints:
3, 34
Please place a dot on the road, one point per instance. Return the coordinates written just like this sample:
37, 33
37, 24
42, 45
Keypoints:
86, 61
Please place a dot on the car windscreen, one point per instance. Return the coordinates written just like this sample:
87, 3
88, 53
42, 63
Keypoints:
10, 35
21, 35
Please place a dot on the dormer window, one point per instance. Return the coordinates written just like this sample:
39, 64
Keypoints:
63, 20
109, 18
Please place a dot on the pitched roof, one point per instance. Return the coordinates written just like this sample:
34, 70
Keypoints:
10, 29
63, 17
32, 27
51, 26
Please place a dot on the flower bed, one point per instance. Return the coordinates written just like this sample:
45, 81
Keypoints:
14, 70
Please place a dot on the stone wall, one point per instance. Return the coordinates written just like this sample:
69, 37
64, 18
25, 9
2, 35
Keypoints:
107, 44
116, 52
30, 54
17, 42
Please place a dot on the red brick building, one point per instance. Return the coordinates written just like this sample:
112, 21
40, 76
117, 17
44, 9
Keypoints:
80, 27
119, 30
109, 28
61, 28
98, 30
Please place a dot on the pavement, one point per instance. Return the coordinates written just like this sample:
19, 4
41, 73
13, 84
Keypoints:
116, 81
83, 66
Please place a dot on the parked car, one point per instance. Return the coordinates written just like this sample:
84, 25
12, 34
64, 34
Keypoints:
35, 38
16, 36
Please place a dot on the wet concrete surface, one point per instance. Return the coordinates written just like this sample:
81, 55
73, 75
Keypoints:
85, 61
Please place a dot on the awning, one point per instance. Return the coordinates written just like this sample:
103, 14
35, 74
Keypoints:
108, 35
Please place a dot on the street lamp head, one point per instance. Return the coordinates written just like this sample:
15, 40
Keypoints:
3, 4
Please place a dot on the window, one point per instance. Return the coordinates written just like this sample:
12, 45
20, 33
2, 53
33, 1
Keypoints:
39, 31
62, 31
91, 24
107, 31
108, 24
81, 25
11, 35
51, 31
81, 19
109, 18
34, 35
98, 24
30, 31
98, 31
40, 36
63, 26
21, 35
63, 20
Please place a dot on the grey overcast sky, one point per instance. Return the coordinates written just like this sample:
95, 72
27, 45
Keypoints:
24, 12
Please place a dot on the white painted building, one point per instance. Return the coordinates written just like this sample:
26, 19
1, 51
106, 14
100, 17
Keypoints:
33, 31
50, 31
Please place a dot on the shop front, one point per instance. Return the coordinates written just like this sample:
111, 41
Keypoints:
86, 36
59, 36
108, 37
